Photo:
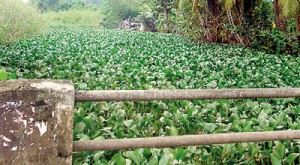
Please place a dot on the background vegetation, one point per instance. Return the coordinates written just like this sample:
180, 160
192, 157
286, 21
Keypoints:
272, 26
87, 16
18, 20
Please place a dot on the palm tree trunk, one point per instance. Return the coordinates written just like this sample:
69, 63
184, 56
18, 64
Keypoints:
298, 26
212, 9
204, 22
236, 35
276, 11
166, 20
212, 4
284, 24
297, 21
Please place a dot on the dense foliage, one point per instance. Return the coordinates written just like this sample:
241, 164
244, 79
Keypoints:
277, 42
244, 22
105, 59
59, 5
114, 11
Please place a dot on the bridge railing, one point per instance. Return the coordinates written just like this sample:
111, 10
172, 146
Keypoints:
41, 112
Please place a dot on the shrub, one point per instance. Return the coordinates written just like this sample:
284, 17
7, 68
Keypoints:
276, 41
114, 11
17, 20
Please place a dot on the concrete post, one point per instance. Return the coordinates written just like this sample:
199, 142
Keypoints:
36, 120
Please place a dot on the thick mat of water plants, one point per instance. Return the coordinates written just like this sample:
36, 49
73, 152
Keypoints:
112, 59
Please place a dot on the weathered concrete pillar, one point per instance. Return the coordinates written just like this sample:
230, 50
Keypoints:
36, 119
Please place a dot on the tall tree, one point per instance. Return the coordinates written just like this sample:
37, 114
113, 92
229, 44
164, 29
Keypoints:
46, 5
166, 6
277, 14
213, 5
290, 8
228, 6
166, 12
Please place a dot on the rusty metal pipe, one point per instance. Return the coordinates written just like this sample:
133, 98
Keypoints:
189, 94
187, 140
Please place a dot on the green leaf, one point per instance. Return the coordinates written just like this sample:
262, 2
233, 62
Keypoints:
77, 119
100, 138
118, 159
165, 159
3, 74
279, 151
97, 155
275, 160
173, 131
210, 127
247, 126
88, 121
291, 158
83, 137
180, 154
13, 76
80, 126
135, 156
254, 151
127, 123
153, 161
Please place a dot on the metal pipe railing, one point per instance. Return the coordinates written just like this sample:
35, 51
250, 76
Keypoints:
189, 94
187, 140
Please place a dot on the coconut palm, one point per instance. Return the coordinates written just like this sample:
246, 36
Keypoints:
277, 14
290, 8
228, 5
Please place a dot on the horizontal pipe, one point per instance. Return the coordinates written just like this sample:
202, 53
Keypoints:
187, 140
189, 94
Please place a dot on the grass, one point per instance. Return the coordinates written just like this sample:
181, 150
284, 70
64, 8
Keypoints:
88, 17
18, 20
